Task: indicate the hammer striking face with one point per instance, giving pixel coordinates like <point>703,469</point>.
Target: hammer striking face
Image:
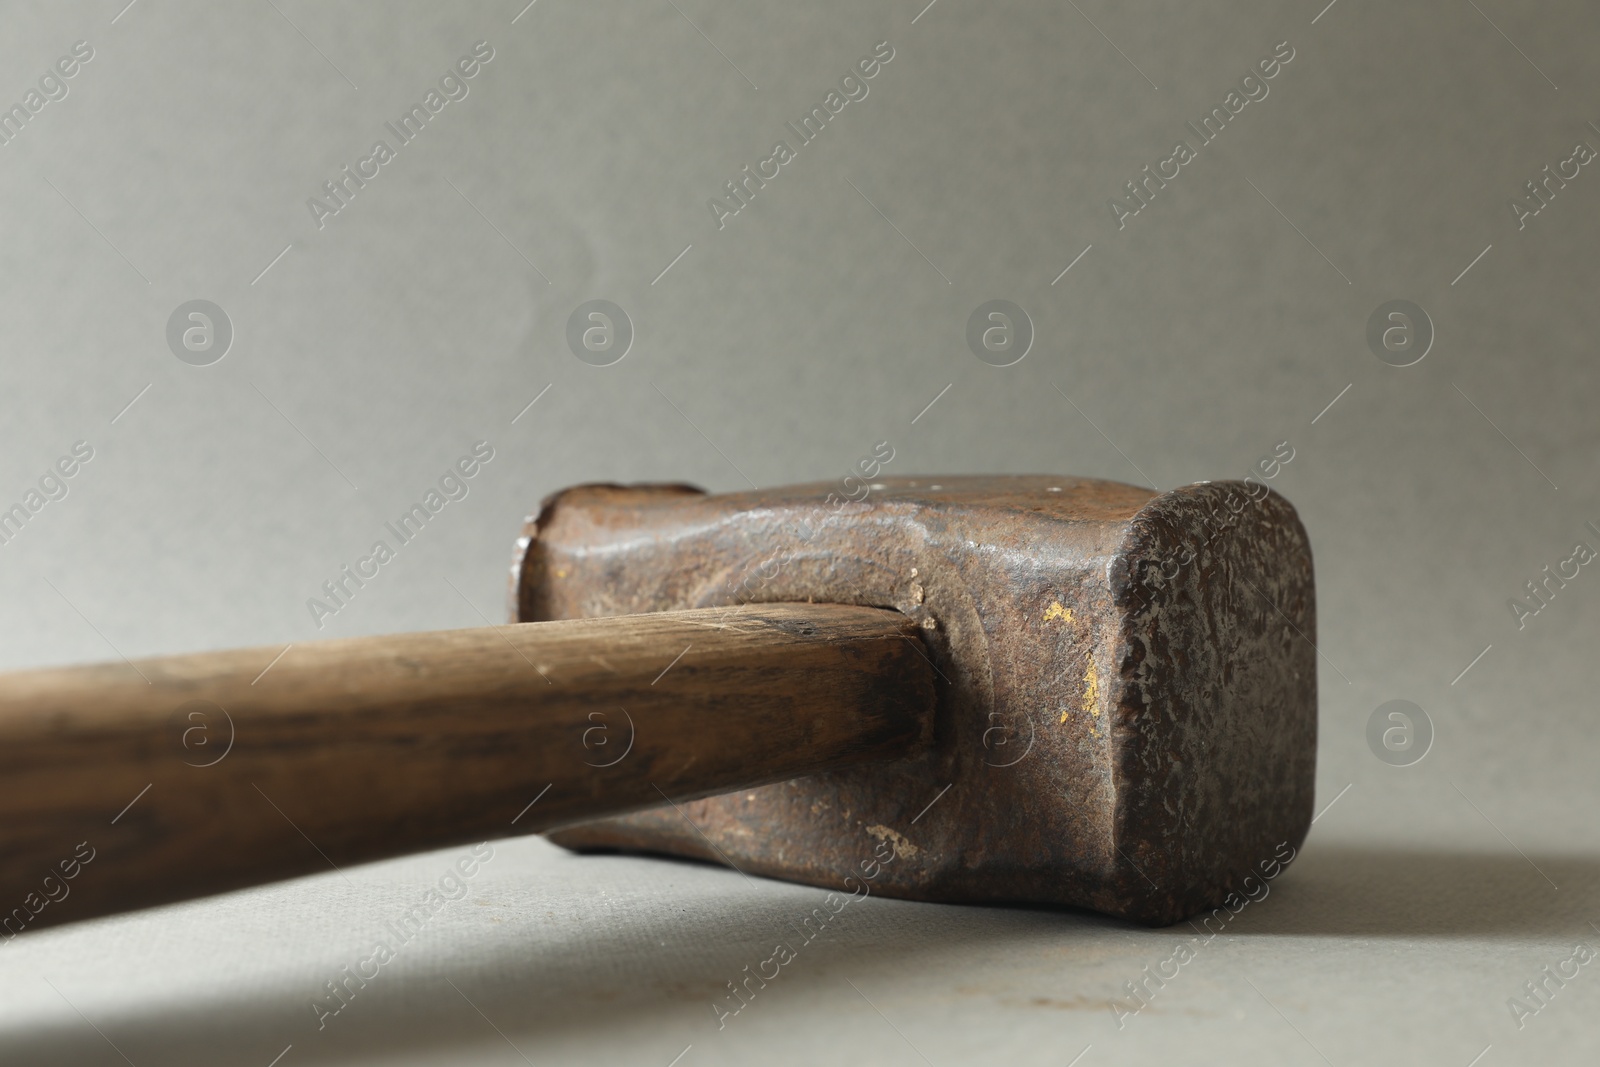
<point>1126,711</point>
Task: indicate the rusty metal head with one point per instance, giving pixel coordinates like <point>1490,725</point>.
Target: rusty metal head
<point>1127,718</point>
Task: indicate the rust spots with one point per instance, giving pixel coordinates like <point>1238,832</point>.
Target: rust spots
<point>1091,697</point>
<point>902,847</point>
<point>1091,691</point>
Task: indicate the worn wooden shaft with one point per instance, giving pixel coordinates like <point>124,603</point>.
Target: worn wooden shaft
<point>128,785</point>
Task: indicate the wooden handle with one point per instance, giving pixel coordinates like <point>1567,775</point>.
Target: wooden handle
<point>128,785</point>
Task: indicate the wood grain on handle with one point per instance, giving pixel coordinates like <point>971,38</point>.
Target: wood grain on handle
<point>186,775</point>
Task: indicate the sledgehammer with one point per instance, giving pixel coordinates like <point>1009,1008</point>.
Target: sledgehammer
<point>1040,690</point>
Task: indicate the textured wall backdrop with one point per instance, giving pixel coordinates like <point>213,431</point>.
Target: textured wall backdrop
<point>371,315</point>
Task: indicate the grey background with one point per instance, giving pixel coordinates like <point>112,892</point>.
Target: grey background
<point>1222,320</point>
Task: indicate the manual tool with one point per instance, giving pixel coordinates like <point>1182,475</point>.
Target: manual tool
<point>1035,690</point>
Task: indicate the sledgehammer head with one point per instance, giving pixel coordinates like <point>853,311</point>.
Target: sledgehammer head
<point>1127,711</point>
